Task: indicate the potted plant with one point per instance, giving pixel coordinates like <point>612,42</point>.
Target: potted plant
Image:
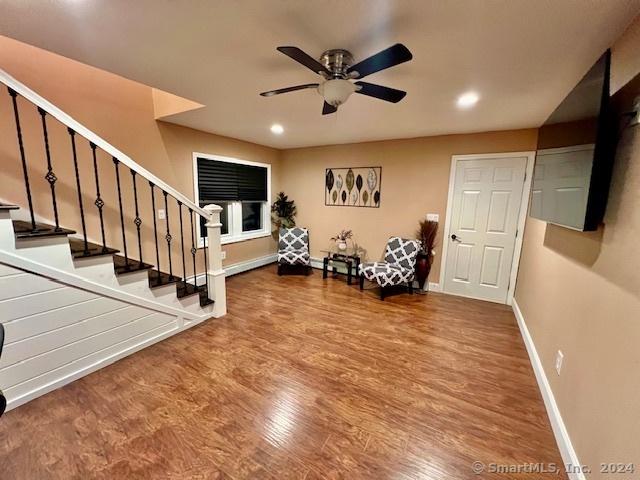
<point>341,239</point>
<point>283,212</point>
<point>427,231</point>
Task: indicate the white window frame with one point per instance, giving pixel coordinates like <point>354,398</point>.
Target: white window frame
<point>234,212</point>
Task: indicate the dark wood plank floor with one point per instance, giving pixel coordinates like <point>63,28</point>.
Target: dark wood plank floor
<point>304,379</point>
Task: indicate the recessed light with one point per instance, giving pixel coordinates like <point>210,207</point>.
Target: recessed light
<point>467,100</point>
<point>277,129</point>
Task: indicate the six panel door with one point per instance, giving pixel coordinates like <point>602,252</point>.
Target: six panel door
<point>484,220</point>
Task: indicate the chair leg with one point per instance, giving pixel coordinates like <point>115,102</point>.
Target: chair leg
<point>411,288</point>
<point>361,282</point>
<point>279,269</point>
<point>382,293</point>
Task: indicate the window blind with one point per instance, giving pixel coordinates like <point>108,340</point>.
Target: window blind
<point>232,182</point>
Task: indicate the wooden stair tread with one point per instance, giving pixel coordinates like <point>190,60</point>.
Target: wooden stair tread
<point>7,206</point>
<point>23,229</point>
<point>185,289</point>
<point>93,249</point>
<point>122,266</point>
<point>159,279</point>
<point>204,300</point>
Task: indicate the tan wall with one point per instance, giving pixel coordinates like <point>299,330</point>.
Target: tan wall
<point>122,112</point>
<point>415,181</point>
<point>580,293</point>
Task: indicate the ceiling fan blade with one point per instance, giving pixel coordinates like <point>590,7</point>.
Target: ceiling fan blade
<point>378,91</point>
<point>271,93</point>
<point>306,60</point>
<point>390,57</point>
<point>327,109</point>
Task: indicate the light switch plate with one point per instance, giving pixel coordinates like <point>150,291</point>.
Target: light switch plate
<point>161,214</point>
<point>559,360</point>
<point>434,217</point>
<point>223,254</point>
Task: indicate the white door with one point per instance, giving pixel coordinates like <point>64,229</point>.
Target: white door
<point>487,194</point>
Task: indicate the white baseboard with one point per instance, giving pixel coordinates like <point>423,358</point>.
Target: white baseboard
<point>434,287</point>
<point>242,267</point>
<point>569,456</point>
<point>101,363</point>
<point>250,264</point>
<point>318,263</point>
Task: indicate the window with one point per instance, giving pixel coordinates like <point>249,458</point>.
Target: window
<point>241,188</point>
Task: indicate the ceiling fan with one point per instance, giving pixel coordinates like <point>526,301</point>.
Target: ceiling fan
<point>336,67</point>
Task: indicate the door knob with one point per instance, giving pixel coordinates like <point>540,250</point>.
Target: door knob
<point>455,238</point>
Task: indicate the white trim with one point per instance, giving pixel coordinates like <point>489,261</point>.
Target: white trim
<point>250,264</point>
<point>434,287</point>
<point>569,456</point>
<point>233,214</point>
<point>241,267</point>
<point>319,264</point>
<point>268,259</point>
<point>81,372</point>
<point>70,122</point>
<point>522,216</point>
<point>71,279</point>
<point>226,239</point>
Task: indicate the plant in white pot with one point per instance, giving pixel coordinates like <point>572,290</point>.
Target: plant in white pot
<point>341,239</point>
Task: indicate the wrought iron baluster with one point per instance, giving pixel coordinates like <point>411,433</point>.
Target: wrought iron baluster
<point>116,163</point>
<point>184,265</point>
<point>193,250</point>
<point>168,237</point>
<point>25,172</point>
<point>72,135</point>
<point>50,176</point>
<point>99,203</point>
<point>155,226</point>
<point>137,221</point>
<point>206,266</point>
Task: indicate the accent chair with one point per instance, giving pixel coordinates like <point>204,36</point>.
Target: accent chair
<point>398,267</point>
<point>293,250</point>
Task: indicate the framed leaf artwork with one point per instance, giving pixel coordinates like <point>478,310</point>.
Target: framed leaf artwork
<point>353,187</point>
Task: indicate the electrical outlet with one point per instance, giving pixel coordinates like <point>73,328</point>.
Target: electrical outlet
<point>223,255</point>
<point>161,214</point>
<point>559,359</point>
<point>434,217</point>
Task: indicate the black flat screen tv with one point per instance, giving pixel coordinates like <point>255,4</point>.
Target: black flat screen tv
<point>574,156</point>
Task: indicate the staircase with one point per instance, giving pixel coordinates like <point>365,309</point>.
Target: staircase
<point>98,247</point>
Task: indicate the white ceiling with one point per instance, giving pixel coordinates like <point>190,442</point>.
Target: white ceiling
<point>521,56</point>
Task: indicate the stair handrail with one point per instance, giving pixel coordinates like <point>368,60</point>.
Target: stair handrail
<point>76,126</point>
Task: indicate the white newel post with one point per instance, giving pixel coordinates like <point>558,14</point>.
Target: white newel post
<point>215,273</point>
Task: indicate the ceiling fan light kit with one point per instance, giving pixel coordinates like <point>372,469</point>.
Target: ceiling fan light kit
<point>336,92</point>
<point>337,69</point>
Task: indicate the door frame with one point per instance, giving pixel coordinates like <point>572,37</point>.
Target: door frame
<point>522,216</point>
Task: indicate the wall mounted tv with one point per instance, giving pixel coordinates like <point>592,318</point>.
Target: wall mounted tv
<point>574,156</point>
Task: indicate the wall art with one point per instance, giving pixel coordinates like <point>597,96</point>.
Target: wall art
<point>353,187</point>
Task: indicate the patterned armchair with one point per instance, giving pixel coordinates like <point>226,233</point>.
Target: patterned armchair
<point>293,249</point>
<point>398,267</point>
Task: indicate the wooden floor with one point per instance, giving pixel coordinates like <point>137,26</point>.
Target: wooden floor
<point>304,379</point>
